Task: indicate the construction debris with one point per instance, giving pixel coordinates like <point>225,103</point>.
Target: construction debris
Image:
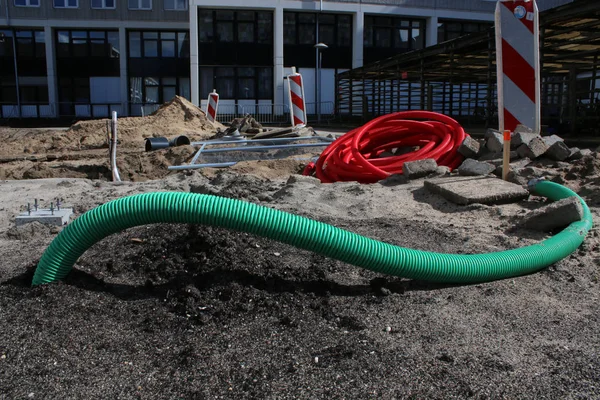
<point>465,190</point>
<point>472,167</point>
<point>420,168</point>
<point>556,215</point>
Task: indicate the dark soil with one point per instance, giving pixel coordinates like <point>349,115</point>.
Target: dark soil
<point>176,311</point>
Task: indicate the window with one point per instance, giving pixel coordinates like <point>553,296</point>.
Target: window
<point>403,34</point>
<point>104,4</point>
<point>135,44</point>
<point>167,44</point>
<point>176,5</point>
<point>66,3</point>
<point>154,44</point>
<point>83,44</point>
<point>25,46</point>
<point>27,3</point>
<point>154,90</point>
<point>225,26</point>
<point>241,83</point>
<point>183,44</point>
<point>335,30</point>
<point>235,27</point>
<point>289,28</point>
<point>6,43</point>
<point>205,22</point>
<point>140,4</point>
<point>452,29</point>
<point>306,29</point>
<point>150,44</point>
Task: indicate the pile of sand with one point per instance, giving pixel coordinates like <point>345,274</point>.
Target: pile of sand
<point>177,117</point>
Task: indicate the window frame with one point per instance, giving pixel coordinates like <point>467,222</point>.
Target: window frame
<point>27,3</point>
<point>139,8</point>
<point>175,6</point>
<point>104,7</point>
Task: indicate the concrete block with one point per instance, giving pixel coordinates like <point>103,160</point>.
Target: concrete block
<point>494,141</point>
<point>554,216</point>
<point>420,168</point>
<point>45,216</point>
<point>469,148</point>
<point>465,190</point>
<point>520,138</point>
<point>558,151</point>
<point>472,167</point>
<point>550,140</point>
<point>535,148</point>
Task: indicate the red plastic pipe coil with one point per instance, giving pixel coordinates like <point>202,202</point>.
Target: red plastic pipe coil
<point>365,154</point>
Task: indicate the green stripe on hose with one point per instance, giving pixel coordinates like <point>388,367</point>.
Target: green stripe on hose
<point>324,239</point>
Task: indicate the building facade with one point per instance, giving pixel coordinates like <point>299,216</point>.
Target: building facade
<point>86,58</point>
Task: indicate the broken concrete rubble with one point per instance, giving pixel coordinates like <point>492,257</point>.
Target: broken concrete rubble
<point>465,190</point>
<point>470,147</point>
<point>534,149</point>
<point>520,138</point>
<point>494,141</point>
<point>554,216</point>
<point>558,151</point>
<point>420,168</point>
<point>472,167</point>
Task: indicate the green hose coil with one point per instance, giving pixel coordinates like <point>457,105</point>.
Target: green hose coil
<point>324,239</point>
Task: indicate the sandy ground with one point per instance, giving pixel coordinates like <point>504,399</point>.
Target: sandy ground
<point>177,311</point>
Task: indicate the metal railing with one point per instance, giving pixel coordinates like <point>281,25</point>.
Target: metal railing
<point>327,111</point>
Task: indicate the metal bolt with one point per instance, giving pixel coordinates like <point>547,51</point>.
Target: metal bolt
<point>29,208</point>
<point>58,204</point>
<point>52,208</point>
<point>36,204</point>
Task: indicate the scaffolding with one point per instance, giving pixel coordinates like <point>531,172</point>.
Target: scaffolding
<point>458,77</point>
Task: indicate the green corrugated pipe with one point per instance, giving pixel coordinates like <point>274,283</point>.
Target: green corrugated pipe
<point>308,234</point>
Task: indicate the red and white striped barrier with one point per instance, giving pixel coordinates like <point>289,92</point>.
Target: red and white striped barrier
<point>212,106</point>
<point>297,103</point>
<point>518,64</point>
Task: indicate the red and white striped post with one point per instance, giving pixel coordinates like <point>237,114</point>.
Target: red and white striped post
<point>297,103</point>
<point>212,106</point>
<point>518,64</point>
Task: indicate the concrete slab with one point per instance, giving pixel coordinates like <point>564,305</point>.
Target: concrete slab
<point>465,190</point>
<point>45,216</point>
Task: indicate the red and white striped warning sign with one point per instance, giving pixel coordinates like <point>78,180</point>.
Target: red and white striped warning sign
<point>297,103</point>
<point>212,106</point>
<point>518,64</point>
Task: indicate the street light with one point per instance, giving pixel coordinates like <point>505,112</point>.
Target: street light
<point>319,46</point>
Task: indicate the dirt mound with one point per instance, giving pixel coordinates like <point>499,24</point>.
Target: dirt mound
<point>177,117</point>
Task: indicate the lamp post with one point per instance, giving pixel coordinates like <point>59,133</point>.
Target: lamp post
<point>319,46</point>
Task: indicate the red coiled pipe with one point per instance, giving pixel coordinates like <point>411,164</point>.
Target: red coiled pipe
<point>356,156</point>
